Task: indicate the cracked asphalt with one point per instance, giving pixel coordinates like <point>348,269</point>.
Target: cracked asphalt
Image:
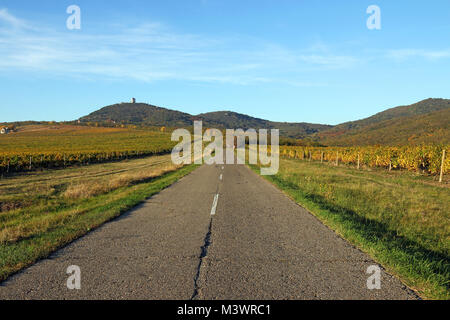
<point>256,244</point>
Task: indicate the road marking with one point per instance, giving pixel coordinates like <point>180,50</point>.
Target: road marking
<point>221,176</point>
<point>214,205</point>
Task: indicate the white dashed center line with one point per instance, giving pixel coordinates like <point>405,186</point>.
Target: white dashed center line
<point>214,205</point>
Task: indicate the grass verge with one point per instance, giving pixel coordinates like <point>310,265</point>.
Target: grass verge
<point>75,219</point>
<point>401,222</point>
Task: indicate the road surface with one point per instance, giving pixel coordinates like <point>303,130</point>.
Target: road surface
<point>221,232</point>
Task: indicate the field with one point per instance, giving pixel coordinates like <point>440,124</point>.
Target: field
<point>55,146</point>
<point>42,211</point>
<point>402,219</point>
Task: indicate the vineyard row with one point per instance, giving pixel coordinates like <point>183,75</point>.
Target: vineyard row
<point>426,158</point>
<point>29,162</point>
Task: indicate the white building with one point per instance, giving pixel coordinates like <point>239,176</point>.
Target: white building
<point>133,100</point>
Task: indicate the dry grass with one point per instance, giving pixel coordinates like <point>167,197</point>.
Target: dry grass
<point>35,203</point>
<point>85,190</point>
<point>51,219</point>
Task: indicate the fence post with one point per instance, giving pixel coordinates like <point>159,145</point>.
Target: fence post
<point>7,170</point>
<point>310,156</point>
<point>321,157</point>
<point>30,164</point>
<point>442,166</point>
<point>64,160</point>
<point>358,162</point>
<point>337,158</point>
<point>390,165</point>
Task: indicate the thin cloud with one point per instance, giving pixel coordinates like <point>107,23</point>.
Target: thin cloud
<point>404,54</point>
<point>332,61</point>
<point>8,18</point>
<point>154,52</point>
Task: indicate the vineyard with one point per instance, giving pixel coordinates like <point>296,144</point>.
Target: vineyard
<point>425,158</point>
<point>41,147</point>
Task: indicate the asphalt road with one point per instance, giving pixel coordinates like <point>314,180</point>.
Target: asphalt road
<point>221,232</point>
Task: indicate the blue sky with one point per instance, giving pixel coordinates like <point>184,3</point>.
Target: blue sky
<point>302,60</point>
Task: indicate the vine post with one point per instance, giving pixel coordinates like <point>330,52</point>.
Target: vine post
<point>442,166</point>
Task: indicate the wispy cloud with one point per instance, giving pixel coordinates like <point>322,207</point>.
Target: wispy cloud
<point>8,18</point>
<point>404,54</point>
<point>332,61</point>
<point>153,51</point>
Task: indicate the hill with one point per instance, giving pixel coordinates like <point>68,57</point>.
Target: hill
<point>140,114</point>
<point>229,119</point>
<point>424,122</point>
<point>148,115</point>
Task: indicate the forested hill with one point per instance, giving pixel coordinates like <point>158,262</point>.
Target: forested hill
<point>427,121</point>
<point>150,115</point>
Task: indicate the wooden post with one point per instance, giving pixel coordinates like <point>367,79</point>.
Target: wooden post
<point>321,157</point>
<point>442,166</point>
<point>358,162</point>
<point>7,169</point>
<point>390,165</point>
<point>64,160</point>
<point>310,156</point>
<point>337,158</point>
<point>30,163</point>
